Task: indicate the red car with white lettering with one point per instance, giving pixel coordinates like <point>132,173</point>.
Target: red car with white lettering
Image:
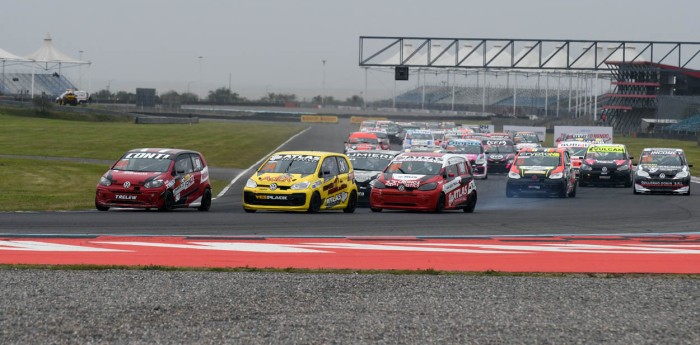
<point>157,178</point>
<point>425,182</point>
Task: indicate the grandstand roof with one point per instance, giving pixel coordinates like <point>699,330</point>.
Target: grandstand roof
<point>48,53</point>
<point>4,55</point>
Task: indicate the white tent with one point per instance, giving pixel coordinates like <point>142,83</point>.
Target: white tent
<point>48,57</point>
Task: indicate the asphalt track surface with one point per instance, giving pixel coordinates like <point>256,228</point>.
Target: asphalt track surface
<point>118,306</point>
<point>595,210</point>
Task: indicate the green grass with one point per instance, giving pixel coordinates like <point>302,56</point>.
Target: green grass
<point>36,184</point>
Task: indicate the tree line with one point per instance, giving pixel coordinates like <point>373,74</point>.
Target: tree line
<point>224,95</point>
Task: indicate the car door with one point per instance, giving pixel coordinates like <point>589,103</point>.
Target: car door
<point>186,183</point>
<point>330,186</point>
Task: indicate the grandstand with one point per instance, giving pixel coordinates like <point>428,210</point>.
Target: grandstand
<point>50,85</point>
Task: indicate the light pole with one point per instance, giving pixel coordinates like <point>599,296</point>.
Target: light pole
<point>80,70</point>
<point>323,92</point>
<point>188,85</point>
<point>199,92</point>
<point>109,84</point>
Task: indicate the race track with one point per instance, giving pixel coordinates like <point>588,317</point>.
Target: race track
<point>595,210</point>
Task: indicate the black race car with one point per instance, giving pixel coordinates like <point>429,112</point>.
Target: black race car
<point>662,170</point>
<point>368,165</point>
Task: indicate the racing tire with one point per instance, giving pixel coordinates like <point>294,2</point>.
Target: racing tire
<point>375,209</point>
<point>471,203</point>
<point>440,204</point>
<point>206,201</point>
<point>101,208</point>
<point>315,203</point>
<point>688,194</point>
<point>247,210</point>
<point>509,192</point>
<point>352,203</point>
<point>573,191</point>
<point>628,183</point>
<point>168,202</point>
<point>564,192</point>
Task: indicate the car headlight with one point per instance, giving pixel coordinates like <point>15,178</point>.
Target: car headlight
<point>682,174</point>
<point>105,181</point>
<point>623,167</point>
<point>153,184</point>
<point>513,175</point>
<point>428,186</point>
<point>642,173</point>
<point>586,167</point>
<point>557,175</point>
<point>301,185</point>
<point>251,183</point>
<point>377,184</point>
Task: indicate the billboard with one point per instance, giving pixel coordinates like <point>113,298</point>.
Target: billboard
<point>583,133</point>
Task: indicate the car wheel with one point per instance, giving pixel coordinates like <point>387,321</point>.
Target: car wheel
<point>168,202</point>
<point>352,203</point>
<point>206,201</point>
<point>509,192</point>
<point>315,203</point>
<point>247,210</point>
<point>688,194</point>
<point>101,208</point>
<point>440,205</point>
<point>573,191</point>
<point>471,203</point>
<point>375,209</point>
<point>628,183</point>
<point>564,192</point>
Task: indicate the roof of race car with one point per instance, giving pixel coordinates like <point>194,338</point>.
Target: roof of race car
<point>571,143</point>
<point>363,135</point>
<point>662,149</point>
<point>307,153</point>
<point>543,149</point>
<point>432,156</point>
<point>161,150</point>
<point>365,153</point>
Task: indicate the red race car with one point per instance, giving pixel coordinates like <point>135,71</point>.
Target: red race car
<point>163,179</point>
<point>425,182</point>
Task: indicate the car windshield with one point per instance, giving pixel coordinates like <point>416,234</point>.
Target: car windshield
<point>143,164</point>
<point>550,159</point>
<point>577,151</point>
<point>419,136</point>
<point>528,138</point>
<point>660,158</point>
<point>414,167</point>
<point>291,164</point>
<point>606,156</point>
<point>502,149</point>
<point>369,163</point>
<point>468,149</point>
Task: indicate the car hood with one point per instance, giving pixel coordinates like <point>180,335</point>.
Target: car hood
<point>281,179</point>
<point>135,177</point>
<point>365,175</point>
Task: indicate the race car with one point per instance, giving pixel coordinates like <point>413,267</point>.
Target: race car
<point>157,178</point>
<point>499,154</point>
<point>382,137</point>
<point>577,149</point>
<point>362,141</point>
<point>367,166</point>
<point>473,151</point>
<point>542,171</point>
<point>425,182</point>
<point>606,164</point>
<point>418,138</point>
<point>662,170</point>
<point>526,139</point>
<point>307,181</point>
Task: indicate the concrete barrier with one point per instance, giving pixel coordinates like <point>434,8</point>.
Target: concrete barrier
<point>165,120</point>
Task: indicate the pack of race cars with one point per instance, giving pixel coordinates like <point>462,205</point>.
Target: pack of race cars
<point>435,170</point>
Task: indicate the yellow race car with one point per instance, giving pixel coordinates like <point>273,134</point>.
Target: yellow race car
<point>302,181</point>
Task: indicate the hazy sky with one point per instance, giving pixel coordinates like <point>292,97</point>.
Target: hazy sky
<point>278,46</point>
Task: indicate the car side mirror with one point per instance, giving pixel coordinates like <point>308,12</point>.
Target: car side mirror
<point>690,165</point>
<point>631,157</point>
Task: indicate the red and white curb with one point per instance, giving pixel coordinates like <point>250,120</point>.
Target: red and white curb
<point>679,254</point>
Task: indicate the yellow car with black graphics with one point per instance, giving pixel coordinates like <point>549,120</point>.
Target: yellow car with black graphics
<point>307,181</point>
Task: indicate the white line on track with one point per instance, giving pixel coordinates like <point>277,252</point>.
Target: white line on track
<point>694,179</point>
<point>256,164</point>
